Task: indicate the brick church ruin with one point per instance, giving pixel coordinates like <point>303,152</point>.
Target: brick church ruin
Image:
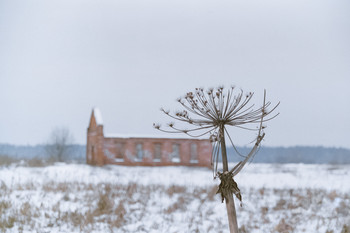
<point>143,151</point>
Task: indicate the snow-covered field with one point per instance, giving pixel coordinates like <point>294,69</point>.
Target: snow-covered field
<point>82,198</point>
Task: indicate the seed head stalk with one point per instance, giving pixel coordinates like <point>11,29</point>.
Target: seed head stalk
<point>230,204</point>
<point>213,110</point>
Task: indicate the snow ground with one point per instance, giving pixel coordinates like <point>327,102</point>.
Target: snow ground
<point>83,198</point>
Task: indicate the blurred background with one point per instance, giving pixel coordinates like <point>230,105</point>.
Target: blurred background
<point>59,59</point>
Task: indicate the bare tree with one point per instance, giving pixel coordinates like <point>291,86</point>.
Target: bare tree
<point>59,145</point>
<point>214,110</point>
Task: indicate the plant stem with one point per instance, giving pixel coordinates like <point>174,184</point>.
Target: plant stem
<point>230,204</point>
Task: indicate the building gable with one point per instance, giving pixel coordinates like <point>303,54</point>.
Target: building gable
<point>143,151</point>
<point>95,119</point>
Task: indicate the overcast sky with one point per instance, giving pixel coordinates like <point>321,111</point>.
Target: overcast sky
<point>60,58</point>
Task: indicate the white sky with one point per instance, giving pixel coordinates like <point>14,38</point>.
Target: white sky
<point>60,58</point>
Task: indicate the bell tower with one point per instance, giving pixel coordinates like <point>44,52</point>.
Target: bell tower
<point>95,138</point>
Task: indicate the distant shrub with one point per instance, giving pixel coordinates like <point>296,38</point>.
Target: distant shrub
<point>7,222</point>
<point>36,162</point>
<point>346,229</point>
<point>7,160</point>
<point>105,203</point>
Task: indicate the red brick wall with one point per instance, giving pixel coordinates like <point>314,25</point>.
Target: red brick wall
<point>95,141</point>
<point>101,150</point>
<point>148,144</point>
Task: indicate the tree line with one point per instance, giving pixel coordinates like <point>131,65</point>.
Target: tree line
<point>297,154</point>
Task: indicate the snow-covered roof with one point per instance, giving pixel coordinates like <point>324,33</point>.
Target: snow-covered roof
<point>168,136</point>
<point>98,116</point>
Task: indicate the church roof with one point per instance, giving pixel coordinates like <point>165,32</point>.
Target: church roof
<point>98,116</point>
<point>165,136</point>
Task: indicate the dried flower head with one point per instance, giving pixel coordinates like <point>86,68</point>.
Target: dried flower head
<point>211,111</point>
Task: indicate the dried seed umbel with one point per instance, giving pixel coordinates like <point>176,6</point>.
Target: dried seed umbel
<point>210,113</point>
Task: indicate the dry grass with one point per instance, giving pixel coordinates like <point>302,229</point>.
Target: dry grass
<point>30,162</point>
<point>7,160</point>
<point>80,207</point>
<point>7,222</point>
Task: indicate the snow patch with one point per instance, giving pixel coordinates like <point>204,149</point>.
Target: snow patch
<point>98,116</point>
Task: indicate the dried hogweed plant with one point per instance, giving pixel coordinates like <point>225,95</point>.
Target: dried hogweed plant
<point>211,112</point>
